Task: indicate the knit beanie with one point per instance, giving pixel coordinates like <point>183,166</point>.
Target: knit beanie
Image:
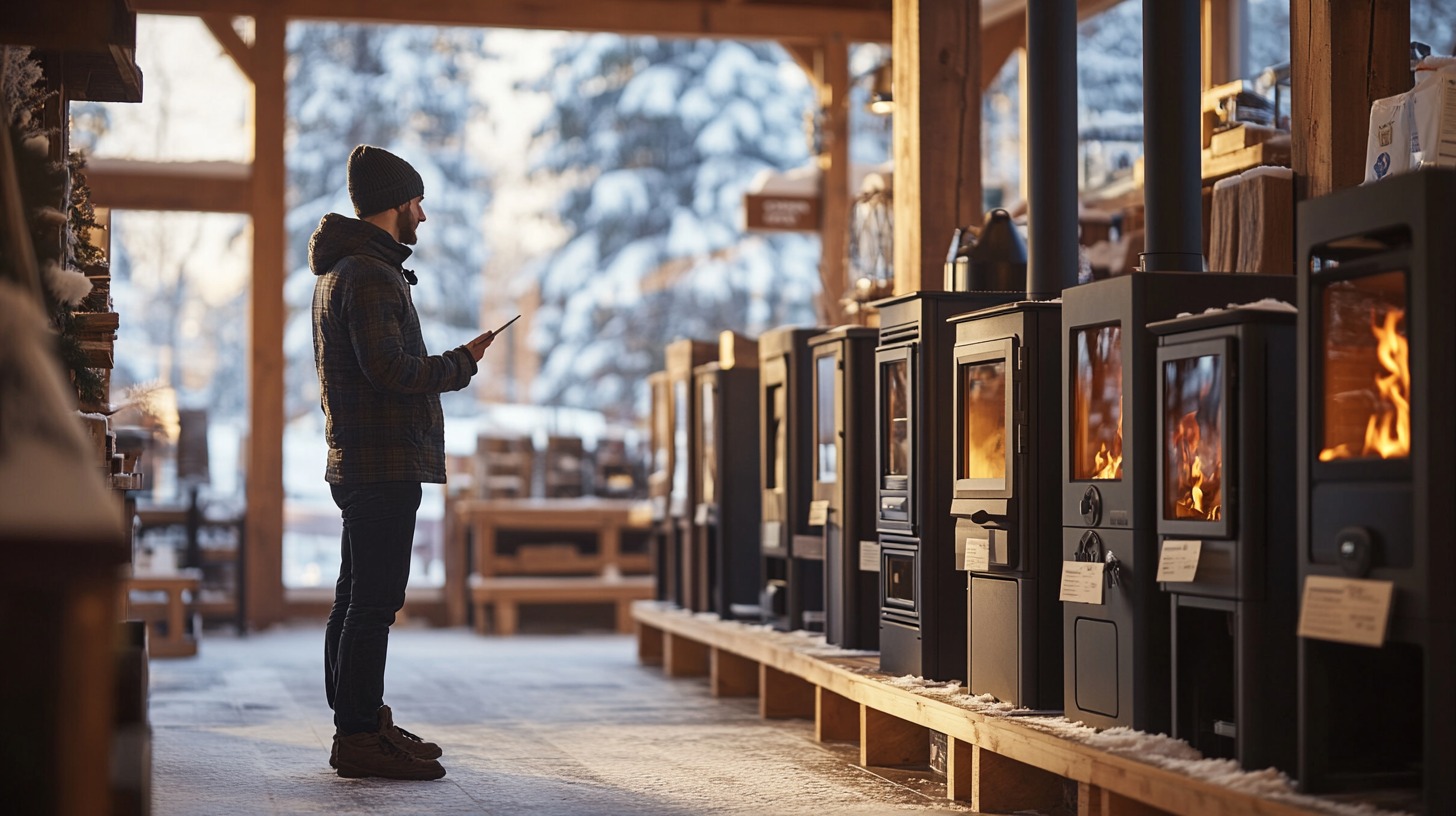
<point>380,180</point>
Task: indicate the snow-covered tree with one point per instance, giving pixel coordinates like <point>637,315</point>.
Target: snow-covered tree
<point>410,90</point>
<point>659,139</point>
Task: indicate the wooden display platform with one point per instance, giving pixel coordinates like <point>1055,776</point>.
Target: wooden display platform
<point>995,761</point>
<point>505,595</point>
<point>168,621</point>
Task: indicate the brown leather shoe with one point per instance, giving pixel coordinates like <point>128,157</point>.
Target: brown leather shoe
<point>373,753</point>
<point>404,739</point>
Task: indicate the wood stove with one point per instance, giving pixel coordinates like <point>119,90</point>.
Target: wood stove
<point>1225,490</point>
<point>1377,484</point>
<point>1007,498</point>
<point>792,594</point>
<point>844,483</point>
<point>922,595</point>
<point>1115,641</point>
<point>682,357</point>
<point>726,519</point>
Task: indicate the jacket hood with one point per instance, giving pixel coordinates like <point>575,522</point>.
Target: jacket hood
<point>339,237</point>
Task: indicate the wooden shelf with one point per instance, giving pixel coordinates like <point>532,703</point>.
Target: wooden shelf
<point>1275,152</point>
<point>997,762</point>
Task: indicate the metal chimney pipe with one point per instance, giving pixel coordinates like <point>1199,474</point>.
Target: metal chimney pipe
<point>1051,117</point>
<point>1172,139</point>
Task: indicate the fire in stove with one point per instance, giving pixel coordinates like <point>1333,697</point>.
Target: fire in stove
<point>1193,470</point>
<point>1367,388</point>
<point>1098,418</point>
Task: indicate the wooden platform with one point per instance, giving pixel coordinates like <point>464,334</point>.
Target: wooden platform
<point>995,761</point>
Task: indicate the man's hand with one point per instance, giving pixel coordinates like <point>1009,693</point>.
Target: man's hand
<point>478,346</point>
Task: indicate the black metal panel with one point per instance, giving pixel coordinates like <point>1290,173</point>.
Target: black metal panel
<point>727,529</point>
<point>1394,515</point>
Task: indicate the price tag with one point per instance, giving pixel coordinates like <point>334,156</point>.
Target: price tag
<point>869,556</point>
<point>1082,582</point>
<point>978,554</point>
<point>1178,562</point>
<point>818,513</point>
<point>1346,610</point>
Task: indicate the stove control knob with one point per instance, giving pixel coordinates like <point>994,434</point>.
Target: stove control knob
<point>1356,548</point>
<point>1092,506</point>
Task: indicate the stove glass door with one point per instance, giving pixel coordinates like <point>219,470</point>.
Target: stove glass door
<point>1197,446</point>
<point>1097,403</point>
<point>1366,388</point>
<point>826,437</point>
<point>985,419</point>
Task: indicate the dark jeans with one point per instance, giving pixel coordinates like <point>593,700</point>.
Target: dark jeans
<point>379,531</point>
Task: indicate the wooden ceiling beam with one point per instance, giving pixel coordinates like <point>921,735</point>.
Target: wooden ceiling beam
<point>123,184</point>
<point>221,26</point>
<point>693,18</point>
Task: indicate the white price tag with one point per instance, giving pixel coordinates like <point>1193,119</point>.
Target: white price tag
<point>1346,610</point>
<point>818,513</point>
<point>1082,582</point>
<point>869,556</point>
<point>978,554</point>
<point>1178,561</point>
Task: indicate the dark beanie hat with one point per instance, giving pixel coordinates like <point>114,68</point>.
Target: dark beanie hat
<point>380,180</point>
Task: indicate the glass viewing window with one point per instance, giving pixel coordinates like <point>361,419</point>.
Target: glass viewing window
<point>983,426</point>
<point>1097,403</point>
<point>776,444</point>
<point>900,580</point>
<point>1366,373</point>
<point>826,445</point>
<point>680,433</point>
<point>710,447</point>
<point>1193,438</point>
<point>896,433</point>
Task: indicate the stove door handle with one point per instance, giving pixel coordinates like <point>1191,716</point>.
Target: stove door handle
<point>981,517</point>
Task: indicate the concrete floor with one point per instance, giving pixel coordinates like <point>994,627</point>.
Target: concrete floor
<point>536,724</point>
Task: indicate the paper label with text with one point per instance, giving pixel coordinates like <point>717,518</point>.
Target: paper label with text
<point>978,554</point>
<point>818,513</point>
<point>869,556</point>
<point>1082,582</point>
<point>1178,562</point>
<point>1345,610</point>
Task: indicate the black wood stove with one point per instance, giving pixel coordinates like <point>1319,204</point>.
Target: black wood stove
<point>726,519</point>
<point>680,561</point>
<point>1225,495</point>
<point>1377,488</point>
<point>1115,649</point>
<point>844,483</point>
<point>792,595</point>
<point>922,595</point>
<point>1007,498</point>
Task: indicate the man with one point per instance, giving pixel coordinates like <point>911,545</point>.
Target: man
<point>380,393</point>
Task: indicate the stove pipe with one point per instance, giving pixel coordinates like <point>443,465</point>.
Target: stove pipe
<point>1171,137</point>
<point>1051,118</point>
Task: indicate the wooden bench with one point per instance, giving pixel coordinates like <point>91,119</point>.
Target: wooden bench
<point>505,594</point>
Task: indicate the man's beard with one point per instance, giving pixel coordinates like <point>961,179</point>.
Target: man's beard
<point>406,226</point>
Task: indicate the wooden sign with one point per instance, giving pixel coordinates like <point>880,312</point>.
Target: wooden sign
<point>1345,610</point>
<point>1178,561</point>
<point>1082,582</point>
<point>781,212</point>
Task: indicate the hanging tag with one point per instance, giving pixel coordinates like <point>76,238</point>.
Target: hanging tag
<point>1082,582</point>
<point>1345,610</point>
<point>978,554</point>
<point>869,556</point>
<point>818,513</point>
<point>1178,561</point>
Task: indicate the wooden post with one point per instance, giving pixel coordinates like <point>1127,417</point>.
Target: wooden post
<point>649,645</point>
<point>1000,784</point>
<point>887,740</point>
<point>836,717</point>
<point>1344,54</point>
<point>264,529</point>
<point>834,179</point>
<point>683,657</point>
<point>1222,42</point>
<point>732,675</point>
<point>783,696</point>
<point>937,134</point>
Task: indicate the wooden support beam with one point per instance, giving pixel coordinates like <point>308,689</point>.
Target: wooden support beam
<point>888,741</point>
<point>683,657</point>
<point>221,26</point>
<point>1221,42</point>
<point>732,675</point>
<point>783,696</point>
<point>937,134</point>
<point>999,784</point>
<point>835,195</point>
<point>125,184</point>
<point>836,717</point>
<point>999,41</point>
<point>649,645</point>
<point>1344,54</point>
<point>264,490</point>
<point>680,18</point>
